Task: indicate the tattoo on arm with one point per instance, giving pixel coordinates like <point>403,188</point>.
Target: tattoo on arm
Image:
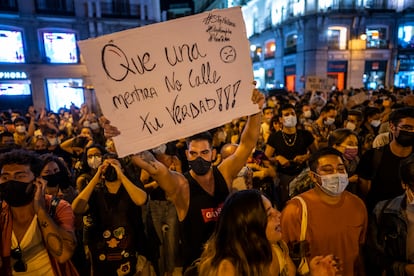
<point>56,240</point>
<point>44,224</point>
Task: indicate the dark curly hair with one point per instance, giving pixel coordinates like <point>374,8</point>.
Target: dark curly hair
<point>22,157</point>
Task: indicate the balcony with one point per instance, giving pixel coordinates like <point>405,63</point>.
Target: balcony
<point>120,9</point>
<point>55,7</point>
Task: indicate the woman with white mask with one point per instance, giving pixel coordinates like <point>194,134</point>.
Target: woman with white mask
<point>91,160</point>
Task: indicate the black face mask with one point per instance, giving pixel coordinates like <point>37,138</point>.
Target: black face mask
<point>200,166</point>
<point>60,178</point>
<point>405,138</point>
<point>17,193</point>
<point>110,174</point>
<point>42,151</point>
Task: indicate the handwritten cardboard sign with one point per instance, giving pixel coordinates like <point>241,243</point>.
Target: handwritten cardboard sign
<point>173,79</point>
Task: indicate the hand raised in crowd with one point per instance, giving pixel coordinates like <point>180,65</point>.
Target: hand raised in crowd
<point>39,197</point>
<point>325,266</point>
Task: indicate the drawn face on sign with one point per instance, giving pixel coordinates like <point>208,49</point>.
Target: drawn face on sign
<point>228,54</point>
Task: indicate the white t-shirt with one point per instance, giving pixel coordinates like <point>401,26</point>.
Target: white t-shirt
<point>34,253</point>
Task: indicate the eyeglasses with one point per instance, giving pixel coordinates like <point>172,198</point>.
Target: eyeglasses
<point>19,265</point>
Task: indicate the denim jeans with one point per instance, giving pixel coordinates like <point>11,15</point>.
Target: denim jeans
<point>164,218</point>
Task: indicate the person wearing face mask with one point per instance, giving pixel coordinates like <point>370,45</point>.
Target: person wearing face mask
<point>198,195</point>
<point>390,238</point>
<point>330,227</point>
<point>288,149</point>
<point>370,127</point>
<point>21,134</point>
<point>346,141</point>
<point>115,233</point>
<point>35,239</point>
<point>324,125</point>
<point>378,169</point>
<point>91,160</point>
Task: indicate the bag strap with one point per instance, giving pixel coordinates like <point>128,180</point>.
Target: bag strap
<point>304,222</point>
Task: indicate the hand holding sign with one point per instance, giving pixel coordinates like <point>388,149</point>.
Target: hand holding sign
<point>157,90</point>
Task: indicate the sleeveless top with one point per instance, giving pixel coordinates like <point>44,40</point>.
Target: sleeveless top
<point>202,215</point>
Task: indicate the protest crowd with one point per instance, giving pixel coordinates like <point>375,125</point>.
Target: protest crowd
<point>315,184</point>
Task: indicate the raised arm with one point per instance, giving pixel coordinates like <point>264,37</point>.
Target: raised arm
<point>231,166</point>
<point>168,180</point>
<point>59,240</point>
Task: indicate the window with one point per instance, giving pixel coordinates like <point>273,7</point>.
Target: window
<point>406,36</point>
<point>14,89</point>
<point>256,53</point>
<point>64,92</point>
<point>377,38</point>
<point>270,48</point>
<point>55,6</point>
<point>11,47</point>
<point>290,43</point>
<point>336,38</point>
<point>60,47</point>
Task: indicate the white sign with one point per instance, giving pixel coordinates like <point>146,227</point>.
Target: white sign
<point>314,83</point>
<point>173,79</point>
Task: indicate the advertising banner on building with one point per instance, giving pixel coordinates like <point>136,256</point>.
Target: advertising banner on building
<point>173,79</point>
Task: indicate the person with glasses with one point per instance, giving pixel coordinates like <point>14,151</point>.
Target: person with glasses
<point>378,169</point>
<point>34,239</point>
<point>390,236</point>
<point>336,219</point>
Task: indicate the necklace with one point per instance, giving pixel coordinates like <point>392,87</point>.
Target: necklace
<point>289,141</point>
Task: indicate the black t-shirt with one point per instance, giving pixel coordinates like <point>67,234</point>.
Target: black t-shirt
<point>385,178</point>
<point>303,141</point>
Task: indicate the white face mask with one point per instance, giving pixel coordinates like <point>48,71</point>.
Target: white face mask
<point>290,121</point>
<point>307,114</point>
<point>94,126</point>
<point>350,126</point>
<point>375,123</point>
<point>94,162</point>
<point>333,184</point>
<point>329,121</point>
<point>20,129</point>
<point>53,141</point>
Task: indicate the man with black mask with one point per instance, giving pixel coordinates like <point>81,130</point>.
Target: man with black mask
<point>199,194</point>
<point>378,169</point>
<point>33,240</point>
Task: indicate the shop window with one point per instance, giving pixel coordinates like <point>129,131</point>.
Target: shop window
<point>270,49</point>
<point>377,38</point>
<point>406,36</point>
<point>64,92</point>
<point>11,47</point>
<point>15,89</point>
<point>270,78</point>
<point>60,47</point>
<point>290,44</point>
<point>336,38</point>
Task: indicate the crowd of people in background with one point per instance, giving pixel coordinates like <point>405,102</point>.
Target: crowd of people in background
<point>329,179</point>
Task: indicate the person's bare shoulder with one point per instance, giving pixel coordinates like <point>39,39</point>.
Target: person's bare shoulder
<point>226,268</point>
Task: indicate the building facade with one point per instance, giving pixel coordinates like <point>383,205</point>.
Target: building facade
<point>40,63</point>
<point>307,44</point>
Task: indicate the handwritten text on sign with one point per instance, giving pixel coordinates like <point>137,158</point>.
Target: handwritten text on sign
<point>173,79</point>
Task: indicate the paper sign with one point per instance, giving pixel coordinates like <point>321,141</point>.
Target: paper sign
<point>173,79</point>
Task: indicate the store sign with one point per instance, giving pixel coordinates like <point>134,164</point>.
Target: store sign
<point>173,79</point>
<point>7,75</point>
